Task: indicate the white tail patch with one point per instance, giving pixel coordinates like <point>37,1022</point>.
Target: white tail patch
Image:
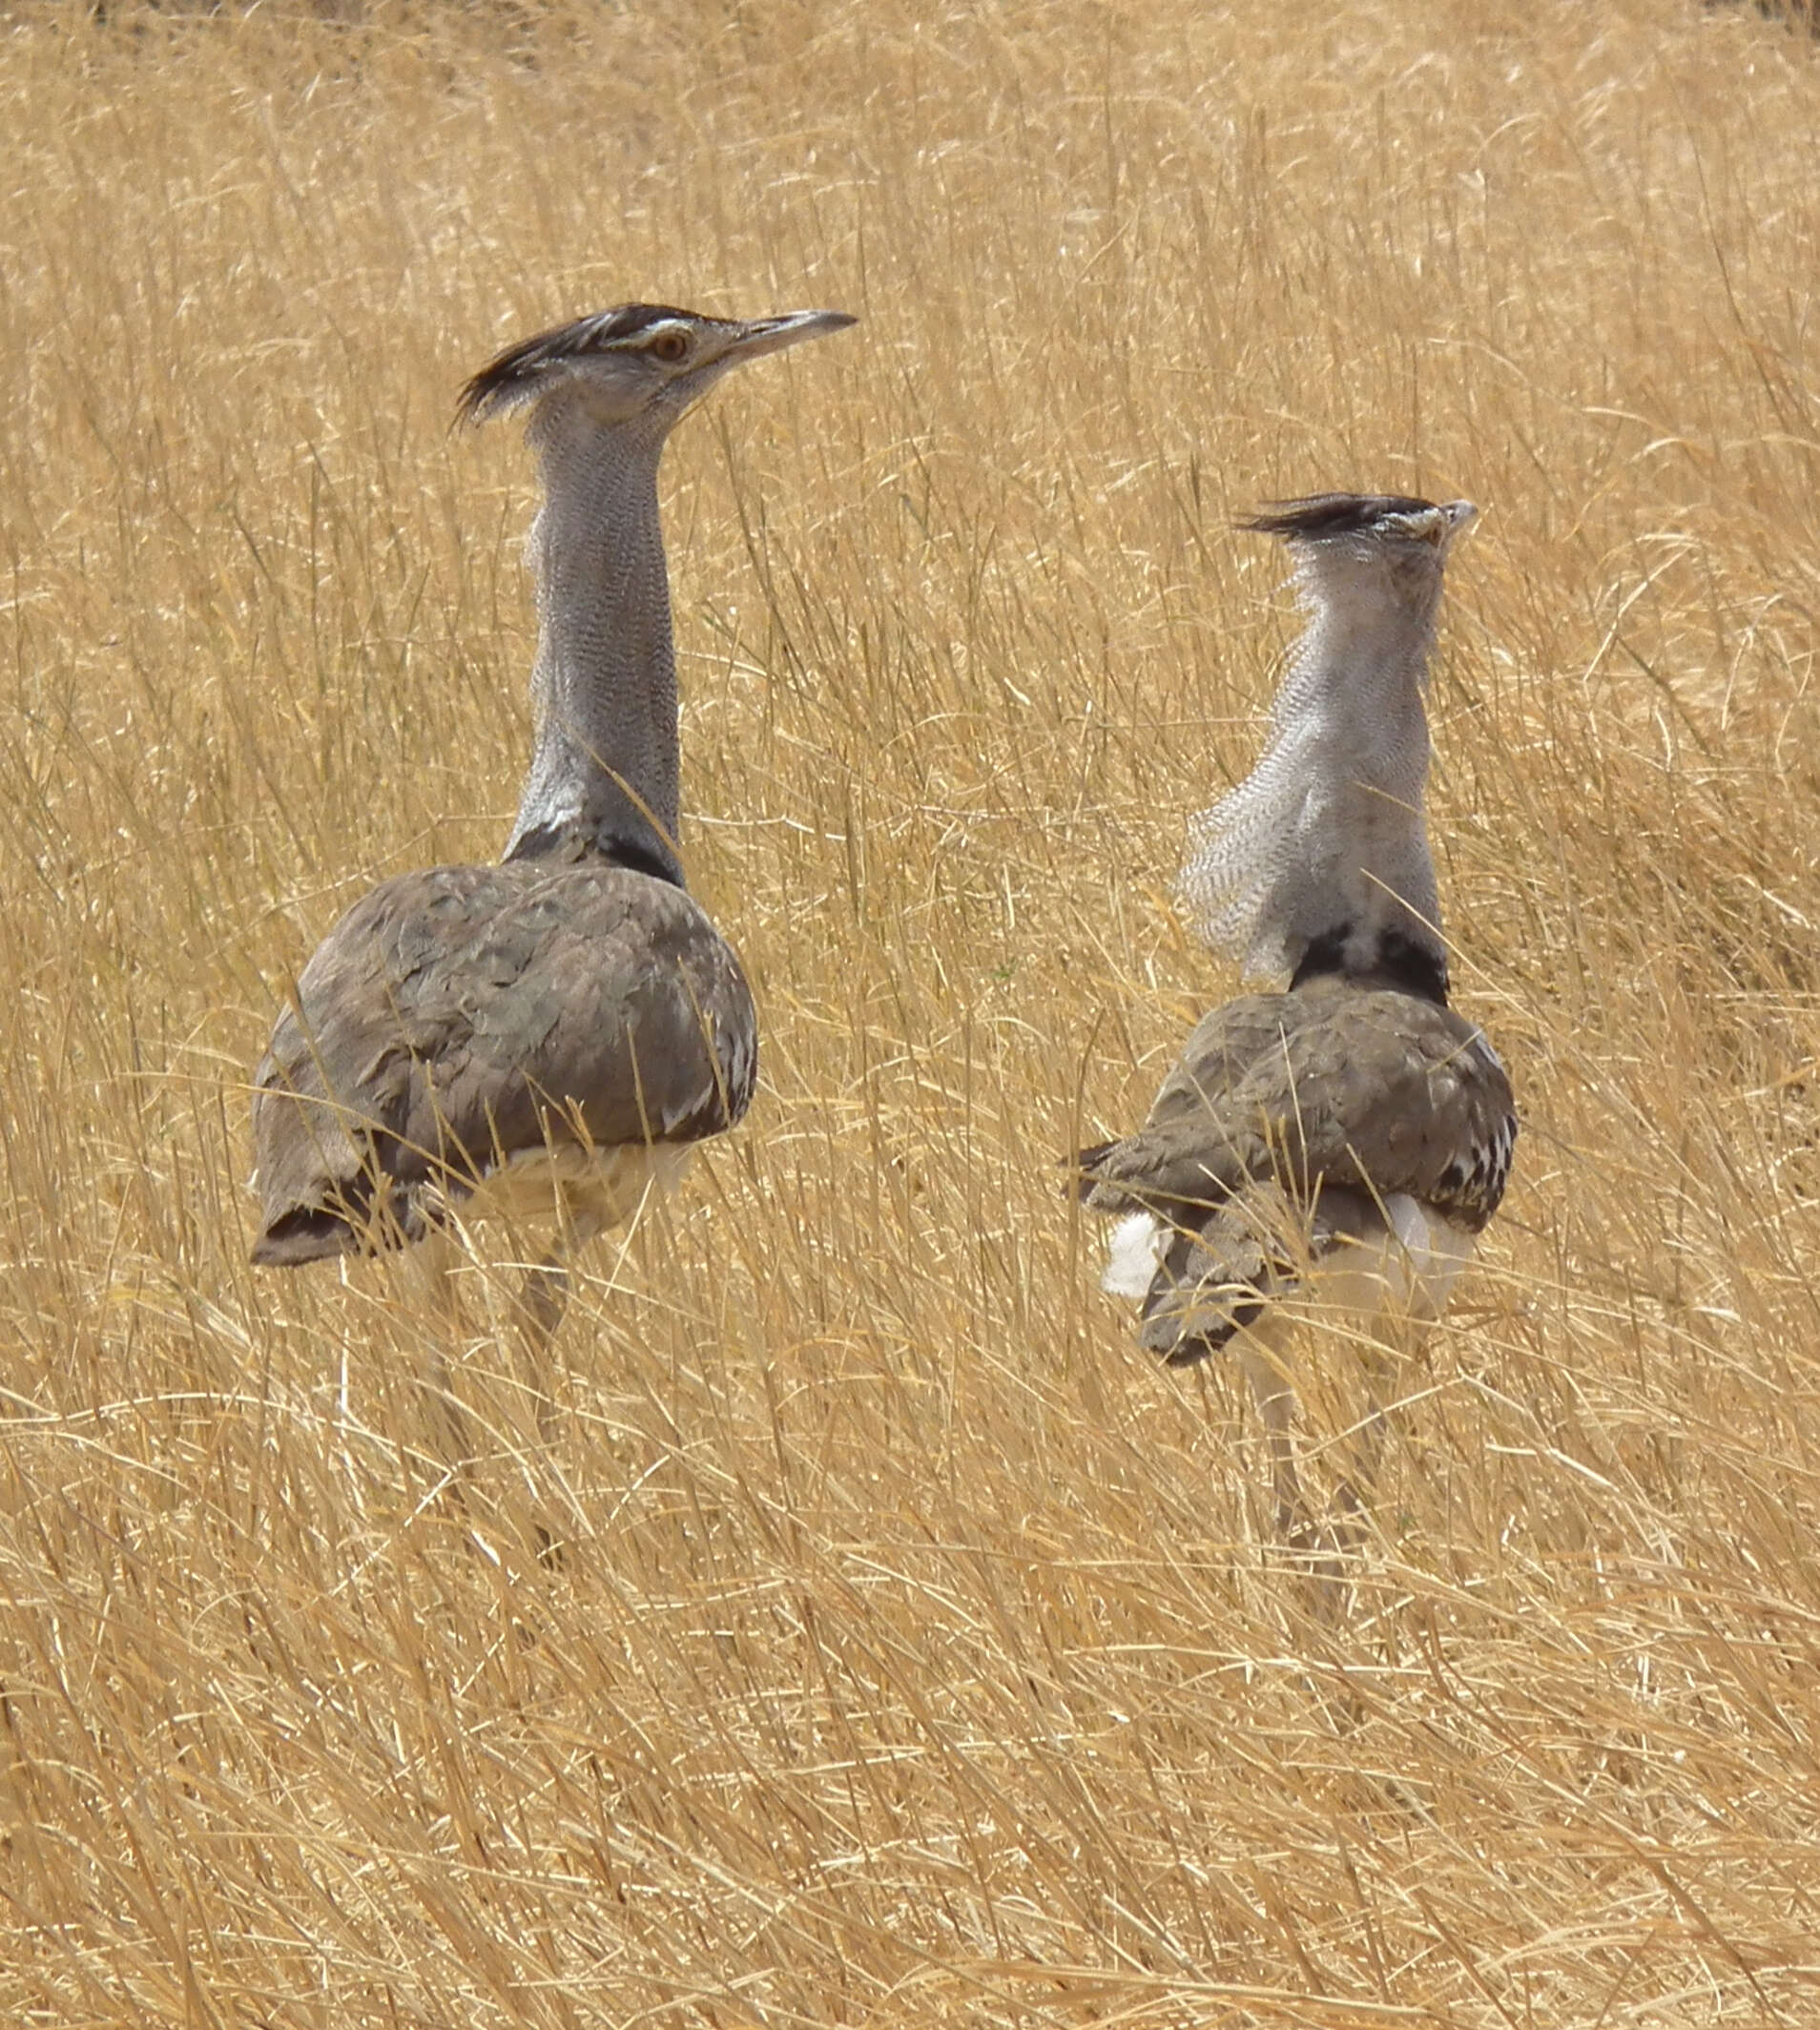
<point>1407,1273</point>
<point>1132,1253</point>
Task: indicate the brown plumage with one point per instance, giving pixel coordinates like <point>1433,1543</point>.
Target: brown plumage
<point>459,1018</point>
<point>1291,1126</point>
<point>1330,1152</point>
<point>555,1034</point>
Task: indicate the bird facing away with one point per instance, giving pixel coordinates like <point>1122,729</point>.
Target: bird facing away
<point>554,1033</point>
<point>1332,1149</point>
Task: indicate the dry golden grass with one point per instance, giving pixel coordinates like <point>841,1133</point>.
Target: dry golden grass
<point>920,1657</point>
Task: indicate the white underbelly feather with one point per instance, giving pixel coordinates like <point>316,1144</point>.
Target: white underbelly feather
<point>604,1187</point>
<point>1408,1270</point>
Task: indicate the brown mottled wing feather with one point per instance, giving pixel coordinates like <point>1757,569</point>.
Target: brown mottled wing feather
<point>1211,1281</point>
<point>1223,1052</point>
<point>1333,1083</point>
<point>1222,1273</point>
<point>458,1017</point>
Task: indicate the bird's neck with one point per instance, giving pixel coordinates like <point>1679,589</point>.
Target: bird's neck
<point>1318,861</point>
<point>605,765</point>
<point>1368,904</point>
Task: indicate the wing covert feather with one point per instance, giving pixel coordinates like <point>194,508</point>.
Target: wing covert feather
<point>457,1017</point>
<point>1355,1087</point>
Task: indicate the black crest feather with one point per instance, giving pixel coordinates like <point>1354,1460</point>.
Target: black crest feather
<point>1324,515</point>
<point>518,369</point>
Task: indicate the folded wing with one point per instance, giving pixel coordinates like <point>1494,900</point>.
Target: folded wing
<point>1294,1125</point>
<point>458,1018</point>
<point>1332,1084</point>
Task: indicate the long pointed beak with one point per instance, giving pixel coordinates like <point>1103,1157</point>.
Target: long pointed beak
<point>773,334</point>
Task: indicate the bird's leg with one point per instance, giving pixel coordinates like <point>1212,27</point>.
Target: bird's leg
<point>544,1296</point>
<point>424,1278</point>
<point>1313,1550</point>
<point>1380,1365</point>
<point>1345,1535</point>
<point>1275,1400</point>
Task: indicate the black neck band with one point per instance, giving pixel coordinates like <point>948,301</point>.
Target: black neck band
<point>1399,962</point>
<point>550,842</point>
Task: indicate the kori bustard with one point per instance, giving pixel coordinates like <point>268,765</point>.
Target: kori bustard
<point>1333,1150</point>
<point>552,1034</point>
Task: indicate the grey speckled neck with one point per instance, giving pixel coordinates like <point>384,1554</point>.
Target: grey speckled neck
<point>605,760</point>
<point>1325,838</point>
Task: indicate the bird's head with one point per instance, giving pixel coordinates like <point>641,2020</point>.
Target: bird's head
<point>1368,547</point>
<point>640,364</point>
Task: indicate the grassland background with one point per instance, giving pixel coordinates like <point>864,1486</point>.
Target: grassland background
<point>919,1657</point>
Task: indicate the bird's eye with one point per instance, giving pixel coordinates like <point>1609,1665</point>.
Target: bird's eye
<point>668,345</point>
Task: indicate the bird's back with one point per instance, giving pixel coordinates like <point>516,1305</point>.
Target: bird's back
<point>460,1018</point>
<point>1294,1124</point>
